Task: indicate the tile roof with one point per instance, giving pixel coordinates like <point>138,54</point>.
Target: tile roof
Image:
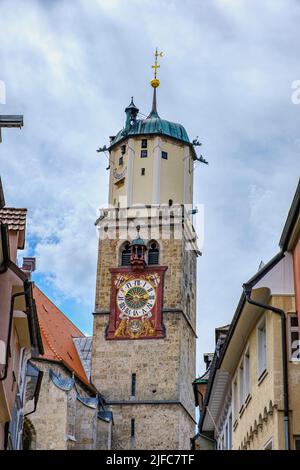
<point>84,349</point>
<point>58,333</point>
<point>15,219</point>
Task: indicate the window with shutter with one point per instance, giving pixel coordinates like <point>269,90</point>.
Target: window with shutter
<point>153,253</point>
<point>125,255</point>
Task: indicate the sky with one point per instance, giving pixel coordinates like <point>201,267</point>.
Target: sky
<point>71,67</point>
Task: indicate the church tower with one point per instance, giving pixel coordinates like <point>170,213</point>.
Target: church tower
<point>144,338</point>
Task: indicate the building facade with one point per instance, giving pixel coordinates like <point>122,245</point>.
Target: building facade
<point>71,414</point>
<point>253,394</point>
<point>144,336</point>
<point>19,331</point>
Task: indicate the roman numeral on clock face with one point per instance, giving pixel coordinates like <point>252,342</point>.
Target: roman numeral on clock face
<point>136,298</point>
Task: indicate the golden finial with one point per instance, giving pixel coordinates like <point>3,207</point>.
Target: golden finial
<point>155,82</point>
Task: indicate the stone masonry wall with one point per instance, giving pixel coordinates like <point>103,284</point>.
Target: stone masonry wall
<point>61,421</point>
<point>164,368</point>
<point>156,427</point>
<point>50,417</point>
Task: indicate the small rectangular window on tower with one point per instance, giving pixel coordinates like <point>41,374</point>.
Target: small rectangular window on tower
<point>121,161</point>
<point>123,149</point>
<point>144,154</point>
<point>143,171</point>
<point>132,433</point>
<point>164,155</point>
<point>144,143</point>
<point>133,385</point>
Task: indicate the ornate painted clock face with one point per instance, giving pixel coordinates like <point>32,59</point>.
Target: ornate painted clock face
<point>136,298</point>
<point>136,304</point>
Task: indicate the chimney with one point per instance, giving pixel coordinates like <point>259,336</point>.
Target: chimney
<point>28,266</point>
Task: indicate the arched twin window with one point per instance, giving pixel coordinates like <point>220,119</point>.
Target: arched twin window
<point>153,253</point>
<point>125,254</point>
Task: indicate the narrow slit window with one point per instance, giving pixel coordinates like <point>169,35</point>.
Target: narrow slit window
<point>144,143</point>
<point>143,171</point>
<point>247,375</point>
<point>133,385</point>
<point>132,427</point>
<point>262,348</point>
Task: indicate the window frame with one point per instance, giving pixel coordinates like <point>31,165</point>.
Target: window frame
<point>235,399</point>
<point>152,249</point>
<point>296,439</point>
<point>293,329</point>
<point>247,374</point>
<point>122,249</point>
<point>262,368</point>
<point>241,388</point>
<point>224,440</point>
<point>268,443</point>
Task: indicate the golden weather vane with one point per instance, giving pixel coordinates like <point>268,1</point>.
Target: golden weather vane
<point>155,81</point>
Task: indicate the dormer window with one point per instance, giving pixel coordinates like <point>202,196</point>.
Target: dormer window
<point>144,143</point>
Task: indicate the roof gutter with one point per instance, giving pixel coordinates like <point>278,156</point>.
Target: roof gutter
<point>5,248</point>
<point>247,290</point>
<point>37,392</point>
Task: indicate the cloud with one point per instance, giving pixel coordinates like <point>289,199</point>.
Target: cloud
<point>71,67</point>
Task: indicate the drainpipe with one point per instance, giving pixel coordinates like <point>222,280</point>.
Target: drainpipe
<point>11,314</point>
<point>37,393</point>
<point>247,290</point>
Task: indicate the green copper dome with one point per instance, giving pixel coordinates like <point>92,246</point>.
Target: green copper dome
<point>153,124</point>
<point>138,241</point>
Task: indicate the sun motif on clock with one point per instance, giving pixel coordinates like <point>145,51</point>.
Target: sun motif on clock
<point>136,298</point>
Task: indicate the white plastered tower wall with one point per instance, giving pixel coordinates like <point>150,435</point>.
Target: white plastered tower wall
<point>163,179</point>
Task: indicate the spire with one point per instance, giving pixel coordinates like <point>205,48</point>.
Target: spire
<point>138,248</point>
<point>155,84</point>
<point>131,114</point>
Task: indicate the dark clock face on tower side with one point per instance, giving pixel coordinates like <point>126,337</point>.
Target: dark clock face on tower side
<point>136,298</point>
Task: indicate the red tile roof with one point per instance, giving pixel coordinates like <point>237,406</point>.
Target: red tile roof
<point>57,335</point>
<point>16,220</point>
